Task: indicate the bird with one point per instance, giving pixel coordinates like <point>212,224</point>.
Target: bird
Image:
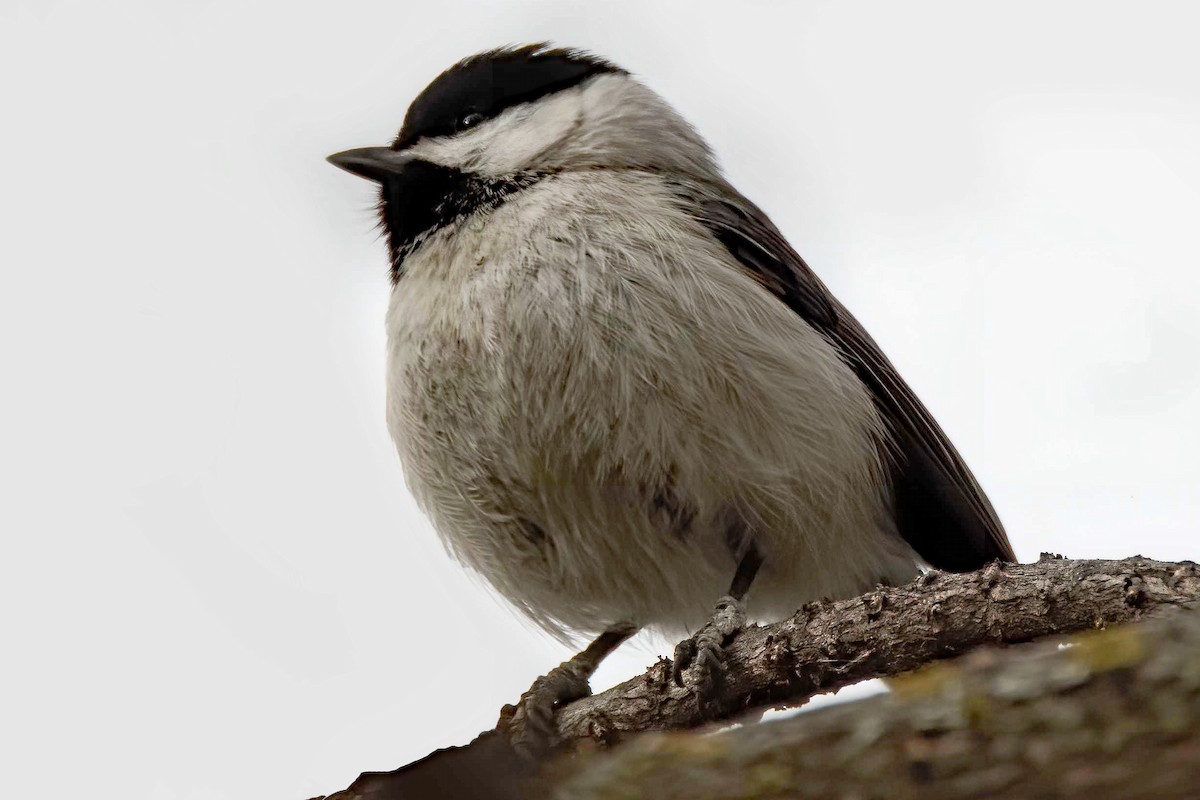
<point>618,392</point>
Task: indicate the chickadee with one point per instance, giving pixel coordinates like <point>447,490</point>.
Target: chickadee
<point>616,389</point>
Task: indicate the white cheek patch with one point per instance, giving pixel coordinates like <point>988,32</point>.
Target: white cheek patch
<point>518,139</point>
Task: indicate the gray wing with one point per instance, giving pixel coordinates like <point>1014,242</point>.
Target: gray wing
<point>940,508</point>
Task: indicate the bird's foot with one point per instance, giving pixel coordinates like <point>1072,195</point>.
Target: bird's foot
<point>704,653</point>
<point>529,724</point>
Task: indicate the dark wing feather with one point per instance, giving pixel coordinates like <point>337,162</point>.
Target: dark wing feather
<point>940,509</point>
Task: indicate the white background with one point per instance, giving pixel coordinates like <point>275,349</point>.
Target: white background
<point>214,583</point>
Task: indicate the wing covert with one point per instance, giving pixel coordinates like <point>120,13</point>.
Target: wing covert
<point>940,508</point>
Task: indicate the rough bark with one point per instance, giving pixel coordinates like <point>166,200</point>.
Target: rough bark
<point>827,645</point>
<point>1116,716</point>
<point>824,646</point>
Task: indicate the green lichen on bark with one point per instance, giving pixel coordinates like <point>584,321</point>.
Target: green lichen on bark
<point>1113,714</point>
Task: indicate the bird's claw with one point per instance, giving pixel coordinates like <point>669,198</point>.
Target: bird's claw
<point>704,653</point>
<point>530,724</point>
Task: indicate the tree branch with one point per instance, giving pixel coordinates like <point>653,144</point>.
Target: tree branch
<point>827,645</point>
<point>824,646</point>
<point>1115,716</point>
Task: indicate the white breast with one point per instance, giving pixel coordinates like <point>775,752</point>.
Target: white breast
<point>586,392</point>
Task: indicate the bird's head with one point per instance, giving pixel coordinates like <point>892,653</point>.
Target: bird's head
<point>503,119</point>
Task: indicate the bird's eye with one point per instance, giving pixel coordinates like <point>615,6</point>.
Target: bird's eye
<point>468,119</point>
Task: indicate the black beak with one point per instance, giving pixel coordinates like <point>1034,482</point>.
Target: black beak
<point>373,163</point>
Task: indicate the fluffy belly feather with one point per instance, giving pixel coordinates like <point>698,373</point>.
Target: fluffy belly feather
<point>593,410</point>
